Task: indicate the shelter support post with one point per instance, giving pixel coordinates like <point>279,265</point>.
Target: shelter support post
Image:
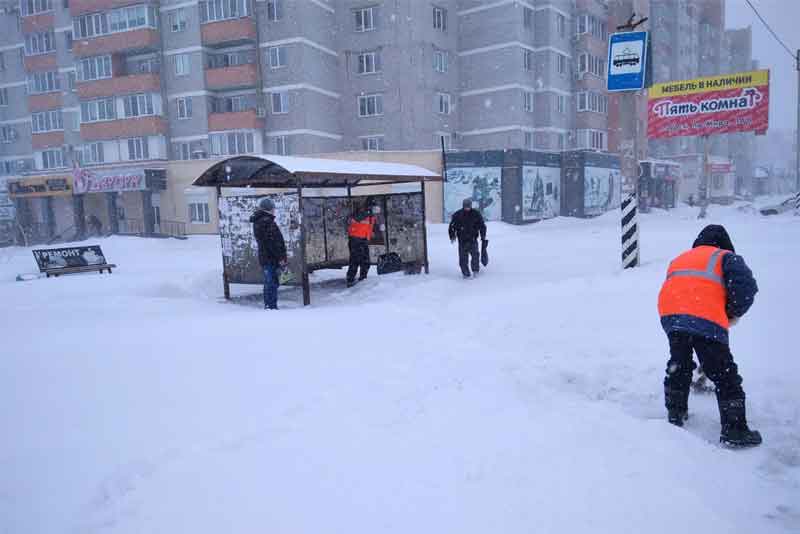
<point>424,228</point>
<point>226,286</point>
<point>304,264</point>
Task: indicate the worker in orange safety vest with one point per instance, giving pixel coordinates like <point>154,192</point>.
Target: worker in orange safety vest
<point>360,232</point>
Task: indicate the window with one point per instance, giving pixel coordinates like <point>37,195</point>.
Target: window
<point>440,19</point>
<point>592,64</point>
<point>52,159</point>
<point>72,77</point>
<point>138,105</point>
<point>229,104</point>
<point>282,145</point>
<point>182,151</point>
<point>94,68</point>
<point>372,144</point>
<point>280,103</point>
<point>198,212</point>
<point>370,105</point>
<point>68,39</point>
<point>440,61</point>
<point>561,64</point>
<point>7,134</point>
<point>561,103</point>
<point>47,121</point>
<point>40,43</point>
<point>365,19</point>
<point>527,17</point>
<point>150,65</point>
<point>592,25</point>
<point>592,139</point>
<point>591,101</point>
<point>2,61</point>
<point>118,20</point>
<point>277,57</point>
<point>369,63</point>
<point>231,59</point>
<point>561,25</point>
<point>32,7</point>
<point>446,139</point>
<point>528,101</point>
<point>444,103</point>
<point>92,154</point>
<point>215,10</point>
<point>184,108</point>
<point>528,59</point>
<point>98,110</point>
<point>177,20</point>
<point>562,144</point>
<point>232,143</point>
<point>181,64</point>
<point>4,96</point>
<point>529,140</point>
<point>274,10</point>
<point>87,26</point>
<point>137,149</point>
<point>43,82</point>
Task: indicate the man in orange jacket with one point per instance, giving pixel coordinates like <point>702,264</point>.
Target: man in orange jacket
<point>360,232</point>
<point>707,290</point>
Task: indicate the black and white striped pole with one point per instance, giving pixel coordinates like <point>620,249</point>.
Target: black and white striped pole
<point>630,230</point>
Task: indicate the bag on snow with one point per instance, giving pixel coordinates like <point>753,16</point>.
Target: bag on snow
<point>390,263</point>
<point>485,253</point>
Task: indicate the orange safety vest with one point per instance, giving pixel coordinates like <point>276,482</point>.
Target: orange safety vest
<point>361,229</point>
<point>695,286</point>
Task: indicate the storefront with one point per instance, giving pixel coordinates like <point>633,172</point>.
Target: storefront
<point>45,209</point>
<point>658,184</point>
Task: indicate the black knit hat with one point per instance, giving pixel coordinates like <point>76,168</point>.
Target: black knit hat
<point>714,235</point>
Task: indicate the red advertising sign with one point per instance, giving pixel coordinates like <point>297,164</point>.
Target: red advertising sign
<point>707,106</point>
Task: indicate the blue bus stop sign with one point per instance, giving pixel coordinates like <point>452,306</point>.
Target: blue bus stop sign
<point>627,61</point>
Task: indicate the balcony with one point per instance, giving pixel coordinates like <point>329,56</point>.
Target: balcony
<point>134,41</point>
<point>123,128</point>
<point>235,77</point>
<point>230,32</point>
<point>79,7</point>
<point>44,102</point>
<point>38,23</point>
<point>120,85</point>
<point>41,62</point>
<point>235,120</point>
<point>47,140</point>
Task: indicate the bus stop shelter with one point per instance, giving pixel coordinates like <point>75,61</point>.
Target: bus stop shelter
<point>314,228</point>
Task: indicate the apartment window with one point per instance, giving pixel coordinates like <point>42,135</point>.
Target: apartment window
<point>592,139</point>
<point>184,108</point>
<point>231,59</point>
<point>529,140</point>
<point>230,104</point>
<point>370,105</point>
<point>232,143</point>
<point>32,7</point>
<point>282,145</point>
<point>591,101</point>
<point>277,57</point>
<point>369,63</point>
<point>98,110</point>
<point>47,121</point>
<point>440,61</point>
<point>43,82</point>
<point>182,64</point>
<point>199,212</point>
<point>280,103</point>
<point>92,154</point>
<point>527,17</point>
<point>440,19</point>
<point>561,64</point>
<point>445,139</point>
<point>4,96</point>
<point>274,10</point>
<point>592,64</point>
<point>68,39</point>
<point>182,151</point>
<point>372,144</point>
<point>138,105</point>
<point>177,20</point>
<point>129,18</point>
<point>40,43</point>
<point>94,68</point>
<point>215,10</point>
<point>87,26</point>
<point>2,61</point>
<point>527,103</point>
<point>561,25</point>
<point>365,19</point>
<point>592,25</point>
<point>561,103</point>
<point>150,65</point>
<point>7,134</point>
<point>118,20</point>
<point>528,59</point>
<point>562,144</point>
<point>137,149</point>
<point>444,103</point>
<point>53,159</point>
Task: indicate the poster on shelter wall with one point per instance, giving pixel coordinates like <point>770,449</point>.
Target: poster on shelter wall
<point>239,247</point>
<point>601,191</point>
<point>482,184</point>
<point>541,195</point>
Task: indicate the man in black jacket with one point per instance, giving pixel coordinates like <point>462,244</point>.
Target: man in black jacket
<point>466,225</point>
<point>271,250</point>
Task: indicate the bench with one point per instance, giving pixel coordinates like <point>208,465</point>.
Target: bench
<point>71,260</point>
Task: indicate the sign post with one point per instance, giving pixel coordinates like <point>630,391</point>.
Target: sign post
<point>627,72</point>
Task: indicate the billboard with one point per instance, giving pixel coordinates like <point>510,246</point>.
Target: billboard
<point>708,106</point>
<point>540,192</point>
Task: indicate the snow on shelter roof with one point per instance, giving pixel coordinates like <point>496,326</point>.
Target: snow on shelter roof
<point>289,171</point>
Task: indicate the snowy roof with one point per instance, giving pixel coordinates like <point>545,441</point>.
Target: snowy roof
<point>290,171</point>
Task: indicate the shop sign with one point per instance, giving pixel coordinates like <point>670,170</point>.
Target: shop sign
<point>59,258</point>
<point>40,186</point>
<point>109,181</point>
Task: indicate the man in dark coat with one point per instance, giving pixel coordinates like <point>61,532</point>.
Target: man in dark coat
<point>707,290</point>
<point>271,250</point>
<point>466,225</point>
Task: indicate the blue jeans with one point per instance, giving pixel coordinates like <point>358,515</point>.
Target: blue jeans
<point>271,274</point>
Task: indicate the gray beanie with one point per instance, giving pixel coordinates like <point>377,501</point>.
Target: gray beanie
<point>266,204</point>
<point>467,203</point>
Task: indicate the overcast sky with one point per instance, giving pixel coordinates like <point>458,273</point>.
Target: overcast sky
<point>783,16</point>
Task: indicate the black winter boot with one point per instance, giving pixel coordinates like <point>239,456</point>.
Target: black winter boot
<point>677,403</point>
<point>735,431</point>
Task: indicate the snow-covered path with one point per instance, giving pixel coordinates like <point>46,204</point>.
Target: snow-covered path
<point>528,400</point>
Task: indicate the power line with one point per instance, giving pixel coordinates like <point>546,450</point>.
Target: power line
<point>775,35</point>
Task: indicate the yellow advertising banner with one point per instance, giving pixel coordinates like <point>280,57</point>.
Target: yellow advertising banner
<point>41,186</point>
<point>740,80</point>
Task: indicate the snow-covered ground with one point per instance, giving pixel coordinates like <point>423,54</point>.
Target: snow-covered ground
<point>528,400</point>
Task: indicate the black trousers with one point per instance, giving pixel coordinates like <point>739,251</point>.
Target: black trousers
<point>469,256</point>
<point>716,360</point>
<point>359,258</point>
